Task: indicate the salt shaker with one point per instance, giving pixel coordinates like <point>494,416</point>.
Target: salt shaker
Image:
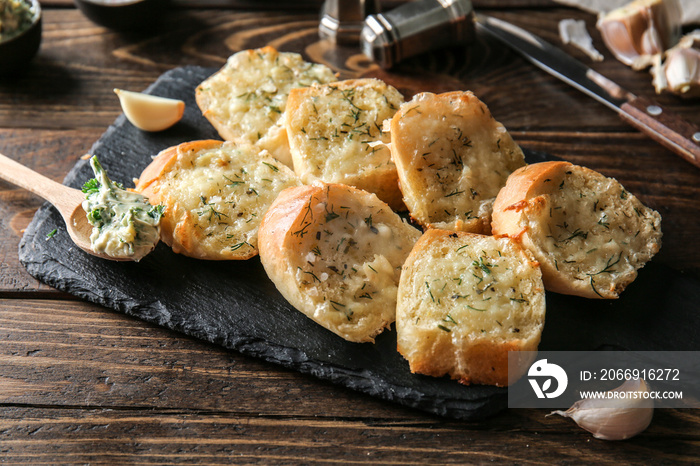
<point>342,20</point>
<point>415,28</point>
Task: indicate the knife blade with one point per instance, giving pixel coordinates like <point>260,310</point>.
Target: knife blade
<point>647,116</point>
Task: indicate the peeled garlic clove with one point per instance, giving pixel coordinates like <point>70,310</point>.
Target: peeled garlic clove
<point>682,70</point>
<point>641,29</point>
<point>149,112</point>
<point>680,73</point>
<point>614,418</point>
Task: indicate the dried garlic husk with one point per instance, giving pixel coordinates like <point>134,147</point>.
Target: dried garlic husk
<point>680,72</point>
<point>149,112</point>
<point>641,29</point>
<point>574,32</point>
<point>614,418</point>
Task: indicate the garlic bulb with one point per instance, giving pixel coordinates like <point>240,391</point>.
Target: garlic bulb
<point>149,112</point>
<point>641,29</point>
<point>617,417</point>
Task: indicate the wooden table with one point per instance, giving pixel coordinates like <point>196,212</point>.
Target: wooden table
<point>84,384</point>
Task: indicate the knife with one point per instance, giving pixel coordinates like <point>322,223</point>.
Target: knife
<point>671,131</point>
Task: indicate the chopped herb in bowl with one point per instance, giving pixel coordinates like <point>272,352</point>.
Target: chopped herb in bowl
<point>16,16</point>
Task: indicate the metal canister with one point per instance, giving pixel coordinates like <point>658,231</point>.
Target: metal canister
<point>342,20</point>
<point>415,28</point>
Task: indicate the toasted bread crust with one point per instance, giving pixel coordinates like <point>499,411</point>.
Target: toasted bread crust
<point>335,253</point>
<point>589,234</point>
<point>448,324</point>
<point>214,194</point>
<point>452,158</point>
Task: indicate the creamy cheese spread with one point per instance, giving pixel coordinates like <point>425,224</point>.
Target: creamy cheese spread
<point>124,224</point>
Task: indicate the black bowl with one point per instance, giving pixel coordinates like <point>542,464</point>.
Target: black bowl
<point>15,53</point>
<point>123,15</point>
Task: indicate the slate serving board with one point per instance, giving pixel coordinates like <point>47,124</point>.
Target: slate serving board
<point>234,304</point>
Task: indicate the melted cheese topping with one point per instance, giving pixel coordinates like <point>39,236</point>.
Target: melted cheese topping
<point>454,158</point>
<point>249,95</point>
<point>597,231</point>
<point>335,127</point>
<point>353,264</point>
<point>220,195</point>
<point>478,288</point>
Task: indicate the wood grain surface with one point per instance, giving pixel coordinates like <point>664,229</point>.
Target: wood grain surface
<point>82,384</point>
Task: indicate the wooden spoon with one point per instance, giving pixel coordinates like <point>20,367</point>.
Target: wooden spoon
<point>68,201</point>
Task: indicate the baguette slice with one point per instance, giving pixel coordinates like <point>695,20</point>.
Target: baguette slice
<point>246,99</point>
<point>335,135</point>
<point>215,194</point>
<point>452,158</point>
<point>335,253</point>
<point>589,234</point>
<point>466,300</point>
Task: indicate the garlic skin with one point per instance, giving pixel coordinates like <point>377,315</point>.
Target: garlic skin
<point>149,112</point>
<point>614,418</point>
<point>641,29</point>
<point>574,32</point>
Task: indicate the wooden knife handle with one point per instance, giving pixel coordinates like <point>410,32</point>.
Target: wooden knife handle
<point>666,128</point>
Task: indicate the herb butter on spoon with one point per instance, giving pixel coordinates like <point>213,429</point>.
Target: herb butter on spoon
<point>124,224</point>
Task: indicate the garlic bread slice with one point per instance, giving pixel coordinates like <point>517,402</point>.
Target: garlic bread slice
<point>215,194</point>
<point>246,99</point>
<point>465,300</point>
<point>452,158</point>
<point>335,253</point>
<point>335,135</point>
<point>588,232</point>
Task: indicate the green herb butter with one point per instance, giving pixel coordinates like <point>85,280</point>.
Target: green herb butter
<point>124,224</point>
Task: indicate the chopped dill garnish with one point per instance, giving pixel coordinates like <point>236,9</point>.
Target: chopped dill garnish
<point>608,266</point>
<point>448,318</point>
<point>593,286</point>
<point>313,275</point>
<point>483,266</point>
<point>475,309</point>
<point>240,245</point>
<point>231,182</point>
<point>432,298</point>
<point>272,167</point>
